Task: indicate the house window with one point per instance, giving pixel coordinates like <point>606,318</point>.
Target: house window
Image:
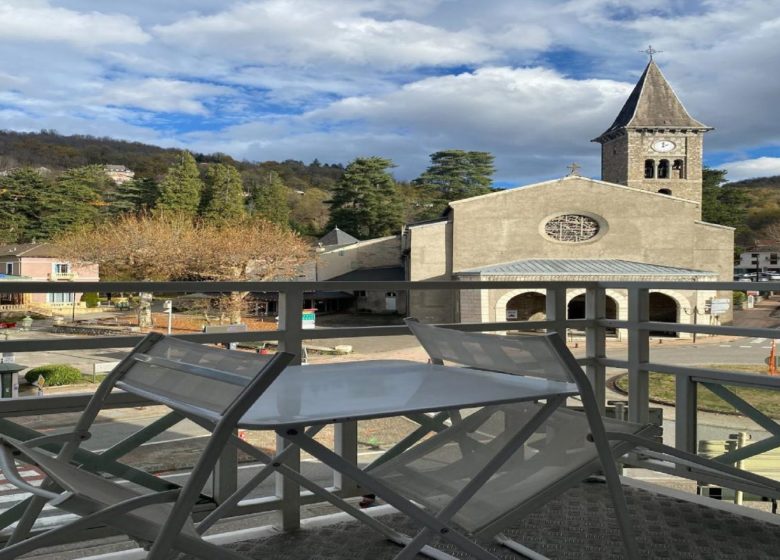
<point>9,268</point>
<point>649,169</point>
<point>60,298</point>
<point>360,293</point>
<point>772,258</point>
<point>663,169</point>
<point>61,268</point>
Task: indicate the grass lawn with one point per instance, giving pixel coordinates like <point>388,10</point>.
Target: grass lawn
<point>662,388</point>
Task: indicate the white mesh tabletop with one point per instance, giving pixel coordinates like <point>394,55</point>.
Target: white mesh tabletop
<point>325,393</point>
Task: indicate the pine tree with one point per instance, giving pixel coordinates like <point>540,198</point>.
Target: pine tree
<point>20,193</point>
<point>224,194</point>
<point>181,188</point>
<point>453,175</point>
<point>269,199</point>
<point>366,202</point>
<point>73,199</point>
<point>138,195</point>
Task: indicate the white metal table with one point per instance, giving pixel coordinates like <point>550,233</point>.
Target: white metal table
<point>305,398</point>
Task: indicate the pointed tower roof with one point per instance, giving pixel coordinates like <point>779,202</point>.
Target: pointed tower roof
<point>653,104</point>
<point>337,237</point>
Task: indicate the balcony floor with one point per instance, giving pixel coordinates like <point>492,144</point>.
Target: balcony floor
<point>578,525</point>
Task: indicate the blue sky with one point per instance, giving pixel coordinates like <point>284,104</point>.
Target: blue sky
<point>531,81</point>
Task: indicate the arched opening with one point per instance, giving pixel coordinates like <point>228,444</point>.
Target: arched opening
<point>679,169</point>
<point>649,169</point>
<point>529,306</point>
<point>576,309</point>
<point>663,169</point>
<point>665,191</point>
<point>664,309</point>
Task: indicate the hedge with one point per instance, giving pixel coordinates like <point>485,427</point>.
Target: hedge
<point>54,374</point>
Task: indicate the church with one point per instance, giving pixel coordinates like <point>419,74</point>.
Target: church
<point>640,222</point>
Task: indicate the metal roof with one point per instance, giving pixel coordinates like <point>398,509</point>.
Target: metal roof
<point>584,267</point>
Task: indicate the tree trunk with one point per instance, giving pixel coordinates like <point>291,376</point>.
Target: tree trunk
<point>235,306</point>
<point>145,310</point>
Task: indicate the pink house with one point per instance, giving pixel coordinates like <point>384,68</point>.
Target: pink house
<point>40,262</point>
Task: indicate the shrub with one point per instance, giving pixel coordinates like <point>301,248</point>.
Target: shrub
<point>91,299</point>
<point>739,298</point>
<point>54,374</point>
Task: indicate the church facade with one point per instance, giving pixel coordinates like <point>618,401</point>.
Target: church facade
<point>641,222</point>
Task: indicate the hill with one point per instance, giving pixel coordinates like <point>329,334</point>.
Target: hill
<point>762,206</point>
<point>54,151</point>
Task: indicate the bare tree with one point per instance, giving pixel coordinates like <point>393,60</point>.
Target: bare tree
<point>169,247</point>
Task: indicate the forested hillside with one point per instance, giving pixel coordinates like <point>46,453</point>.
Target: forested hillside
<point>751,206</point>
<point>58,153</point>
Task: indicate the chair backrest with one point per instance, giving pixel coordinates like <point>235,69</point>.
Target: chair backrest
<point>189,377</point>
<point>535,355</point>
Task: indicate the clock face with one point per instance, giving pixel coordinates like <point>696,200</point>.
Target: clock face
<point>663,145</point>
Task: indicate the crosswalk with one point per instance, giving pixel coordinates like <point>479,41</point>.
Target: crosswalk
<point>763,343</point>
<point>31,475</point>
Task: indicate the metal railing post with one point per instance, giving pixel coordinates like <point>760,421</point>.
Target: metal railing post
<point>596,343</point>
<point>685,413</point>
<point>555,306</point>
<point>290,321</point>
<point>638,355</point>
<point>290,309</point>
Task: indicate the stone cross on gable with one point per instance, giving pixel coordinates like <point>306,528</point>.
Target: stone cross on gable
<point>574,169</point>
<point>650,51</point>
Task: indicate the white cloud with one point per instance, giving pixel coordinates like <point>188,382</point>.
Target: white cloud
<point>751,168</point>
<point>317,32</point>
<point>161,95</point>
<point>534,120</point>
<point>38,21</point>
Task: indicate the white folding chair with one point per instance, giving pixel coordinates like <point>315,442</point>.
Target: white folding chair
<point>554,452</point>
<point>212,386</point>
<point>494,465</point>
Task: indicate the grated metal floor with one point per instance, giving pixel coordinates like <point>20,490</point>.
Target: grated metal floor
<point>578,525</point>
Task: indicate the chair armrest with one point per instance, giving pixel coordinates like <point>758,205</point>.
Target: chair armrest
<point>11,473</point>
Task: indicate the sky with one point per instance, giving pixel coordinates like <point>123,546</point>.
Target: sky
<point>531,81</point>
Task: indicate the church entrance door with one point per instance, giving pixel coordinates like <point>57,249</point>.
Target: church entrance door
<point>529,306</point>
<point>663,308</point>
<point>576,309</point>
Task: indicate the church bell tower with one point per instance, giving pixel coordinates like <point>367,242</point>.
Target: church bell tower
<point>654,144</point>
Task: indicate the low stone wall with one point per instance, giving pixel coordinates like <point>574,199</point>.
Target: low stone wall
<point>91,330</point>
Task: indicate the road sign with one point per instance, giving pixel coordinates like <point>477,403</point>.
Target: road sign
<point>308,318</point>
<point>719,306</point>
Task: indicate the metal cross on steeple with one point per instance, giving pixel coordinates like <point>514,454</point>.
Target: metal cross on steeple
<point>650,51</point>
<point>573,169</point>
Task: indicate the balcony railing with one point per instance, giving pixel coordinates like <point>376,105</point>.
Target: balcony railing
<point>290,337</point>
<point>57,276</point>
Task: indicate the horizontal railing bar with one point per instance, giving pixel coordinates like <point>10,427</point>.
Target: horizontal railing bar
<point>703,374</point>
<point>73,402</point>
<point>311,286</point>
<point>721,376</point>
<point>691,328</point>
<point>258,286</point>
